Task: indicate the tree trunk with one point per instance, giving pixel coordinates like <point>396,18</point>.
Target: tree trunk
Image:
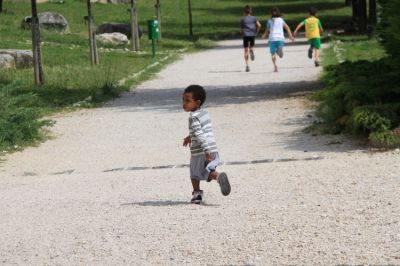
<point>36,50</point>
<point>363,16</point>
<point>1,5</point>
<point>355,6</point>
<point>372,13</point>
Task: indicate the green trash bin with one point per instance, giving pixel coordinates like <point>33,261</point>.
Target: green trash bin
<point>153,29</point>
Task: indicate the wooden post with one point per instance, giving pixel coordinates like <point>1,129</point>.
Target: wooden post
<point>158,15</point>
<point>135,41</point>
<point>37,55</point>
<point>190,18</point>
<point>92,39</point>
<point>134,27</point>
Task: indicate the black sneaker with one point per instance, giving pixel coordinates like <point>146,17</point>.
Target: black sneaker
<point>252,57</point>
<point>310,50</point>
<point>224,184</point>
<point>317,64</point>
<point>247,69</point>
<point>197,197</point>
<point>280,52</point>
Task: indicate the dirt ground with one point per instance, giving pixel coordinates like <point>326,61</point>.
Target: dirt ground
<point>112,187</point>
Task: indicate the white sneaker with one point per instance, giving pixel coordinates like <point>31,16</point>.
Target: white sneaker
<point>197,197</point>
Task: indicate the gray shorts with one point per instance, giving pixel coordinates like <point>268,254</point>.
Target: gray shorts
<point>200,168</point>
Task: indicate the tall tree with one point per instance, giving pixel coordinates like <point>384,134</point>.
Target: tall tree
<point>359,8</point>
<point>372,18</point>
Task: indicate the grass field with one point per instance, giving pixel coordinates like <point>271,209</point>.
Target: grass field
<point>70,79</point>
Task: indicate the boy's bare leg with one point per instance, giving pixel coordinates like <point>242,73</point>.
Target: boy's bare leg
<point>213,175</point>
<point>246,55</point>
<point>316,54</point>
<point>274,61</point>
<point>195,184</point>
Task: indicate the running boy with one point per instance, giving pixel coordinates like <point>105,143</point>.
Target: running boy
<point>276,37</point>
<point>249,27</point>
<point>204,153</point>
<point>313,29</point>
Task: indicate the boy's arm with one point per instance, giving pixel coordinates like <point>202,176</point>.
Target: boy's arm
<point>320,26</point>
<point>258,26</point>
<point>187,141</point>
<point>297,28</point>
<point>265,34</point>
<point>241,26</point>
<point>287,28</point>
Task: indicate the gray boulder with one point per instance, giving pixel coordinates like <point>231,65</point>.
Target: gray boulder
<point>119,1</point>
<point>110,27</point>
<point>21,58</point>
<point>114,38</point>
<point>6,61</point>
<point>48,21</point>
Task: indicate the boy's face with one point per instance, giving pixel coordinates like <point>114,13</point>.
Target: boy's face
<point>188,103</point>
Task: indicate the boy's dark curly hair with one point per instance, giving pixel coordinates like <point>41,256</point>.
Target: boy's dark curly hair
<point>198,92</point>
<point>312,11</point>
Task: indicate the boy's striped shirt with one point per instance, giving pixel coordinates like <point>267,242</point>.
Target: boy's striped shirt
<point>201,134</point>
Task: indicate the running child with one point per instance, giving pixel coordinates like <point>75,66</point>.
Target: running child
<point>249,28</point>
<point>203,147</point>
<point>313,28</point>
<point>276,37</point>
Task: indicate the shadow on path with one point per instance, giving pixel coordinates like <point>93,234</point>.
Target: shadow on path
<point>159,203</point>
<point>169,100</point>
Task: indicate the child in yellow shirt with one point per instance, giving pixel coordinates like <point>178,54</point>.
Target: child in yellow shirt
<point>313,28</point>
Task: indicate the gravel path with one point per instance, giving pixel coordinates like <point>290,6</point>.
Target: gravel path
<point>112,186</point>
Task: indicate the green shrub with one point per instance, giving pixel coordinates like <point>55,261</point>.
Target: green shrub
<point>20,121</point>
<point>388,28</point>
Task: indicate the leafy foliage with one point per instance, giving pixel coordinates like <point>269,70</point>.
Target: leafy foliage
<point>20,121</point>
<point>388,28</point>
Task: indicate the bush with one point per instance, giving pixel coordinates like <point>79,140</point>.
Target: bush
<point>362,98</point>
<point>388,27</point>
<point>20,121</point>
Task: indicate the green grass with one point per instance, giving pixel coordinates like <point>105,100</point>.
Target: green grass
<point>70,79</point>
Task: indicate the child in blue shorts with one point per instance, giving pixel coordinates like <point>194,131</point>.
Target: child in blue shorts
<point>276,37</point>
<point>203,147</point>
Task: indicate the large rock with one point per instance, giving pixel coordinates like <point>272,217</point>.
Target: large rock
<point>119,1</point>
<point>110,27</point>
<point>114,38</point>
<point>48,21</point>
<point>6,61</point>
<point>22,58</point>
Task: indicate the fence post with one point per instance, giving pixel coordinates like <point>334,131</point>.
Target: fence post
<point>37,55</point>
<point>158,15</point>
<point>135,41</point>
<point>92,38</point>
